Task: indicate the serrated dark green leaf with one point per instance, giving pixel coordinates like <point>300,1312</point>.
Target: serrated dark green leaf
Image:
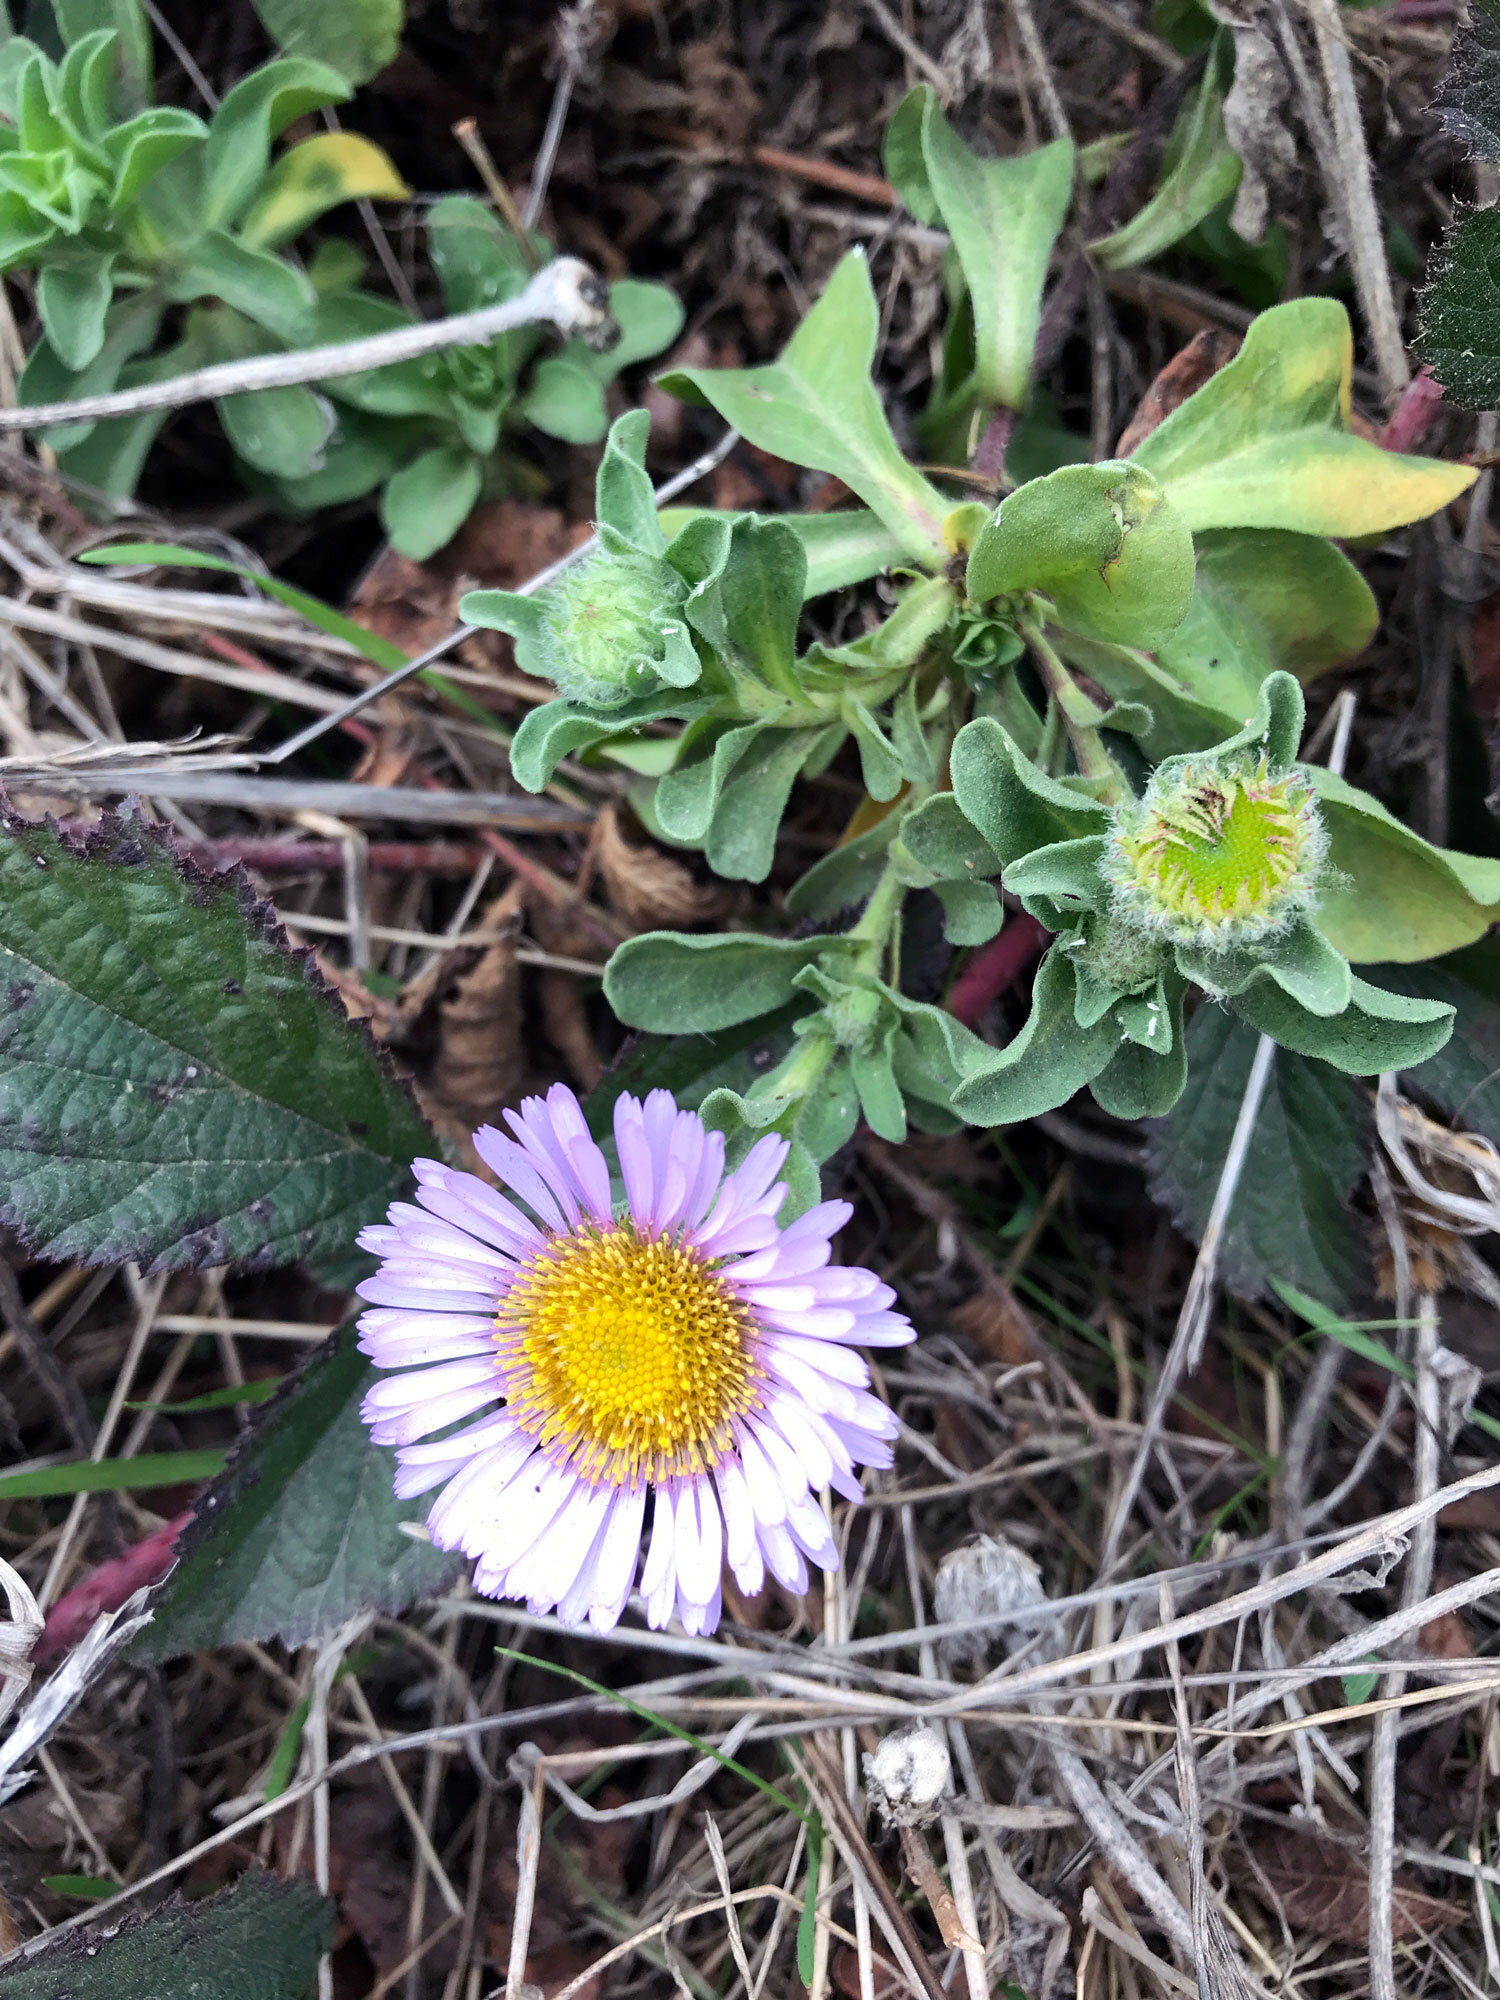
<point>1460,337</point>
<point>176,1086</point>
<point>259,1940</point>
<point>1468,99</point>
<point>1463,1078</point>
<point>303,1528</point>
<point>691,1066</point>
<point>1291,1217</point>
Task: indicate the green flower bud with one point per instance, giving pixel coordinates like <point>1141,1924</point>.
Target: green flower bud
<point>606,626</point>
<point>1216,855</point>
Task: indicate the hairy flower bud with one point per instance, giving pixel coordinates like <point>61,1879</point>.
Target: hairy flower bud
<point>607,624</point>
<point>909,1774</point>
<point>1216,854</point>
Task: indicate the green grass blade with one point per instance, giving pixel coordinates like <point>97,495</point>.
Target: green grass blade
<point>660,1722</point>
<point>113,1475</point>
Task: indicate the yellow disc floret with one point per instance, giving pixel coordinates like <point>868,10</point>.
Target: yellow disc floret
<point>627,1352</point>
<point>1217,856</point>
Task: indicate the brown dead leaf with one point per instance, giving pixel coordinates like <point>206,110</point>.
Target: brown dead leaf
<point>1325,1889</point>
<point>722,99</point>
<point>406,602</point>
<point>1479,1512</point>
<point>1447,1637</point>
<point>478,1065</point>
<point>386,761</point>
<point>648,888</point>
<point>1190,367</point>
<point>996,1322</point>
<point>502,543</point>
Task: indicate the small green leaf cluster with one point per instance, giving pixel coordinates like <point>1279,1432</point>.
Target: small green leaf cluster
<point>1210,880</point>
<point>126,211</point>
<point>431,432</point>
<point>1087,696</point>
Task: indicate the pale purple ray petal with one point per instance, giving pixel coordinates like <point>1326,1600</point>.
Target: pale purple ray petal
<point>533,1500</point>
<point>701,1195</point>
<point>815,1388</point>
<point>808,1526</point>
<point>659,1569</point>
<point>882,1329</point>
<point>740,1544</point>
<point>619,1552</point>
<point>783,1557</point>
<point>513,1165</point>
<point>395,1284</point>
<point>549,1568</point>
<point>536,1130</point>
<point>476,1493</point>
<point>422,1466</point>
<point>466,1200</point>
<point>427,1413</point>
<point>761,1480</point>
<point>698,1619</point>
<point>414,1348</point>
<point>749,1232</point>
<point>700,1541</point>
<point>574,1144</point>
<point>634,1149</point>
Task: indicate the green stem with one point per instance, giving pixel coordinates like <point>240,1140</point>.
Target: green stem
<point>1076,709</point>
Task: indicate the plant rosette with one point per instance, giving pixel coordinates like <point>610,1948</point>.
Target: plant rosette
<point>1211,878</point>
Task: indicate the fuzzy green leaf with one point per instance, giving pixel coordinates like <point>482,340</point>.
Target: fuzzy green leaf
<point>1264,599</point>
<point>1201,170</point>
<point>426,503</point>
<point>565,401</point>
<point>676,985</point>
<point>260,1939</point>
<point>741,840</point>
<point>174,1085</point>
<point>817,407</point>
<point>1290,1216</point>
<point>842,548</point>
<point>1004,217</point>
<point>1015,806</point>
<point>1265,443</point>
<point>355,37</point>
<point>237,155</point>
<point>562,728</point>
<point>1376,1031</point>
<point>73,295</point>
<point>1390,895</point>
<point>1046,1062</point>
<point>302,1529</point>
<point>1102,541</point>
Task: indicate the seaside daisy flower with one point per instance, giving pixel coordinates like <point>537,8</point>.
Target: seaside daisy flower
<point>677,1366</point>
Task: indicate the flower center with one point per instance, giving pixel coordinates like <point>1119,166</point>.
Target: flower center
<point>630,1352</point>
<point>1221,853</point>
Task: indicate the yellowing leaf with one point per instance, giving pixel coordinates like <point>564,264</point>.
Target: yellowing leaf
<point>1265,443</point>
<point>1392,897</point>
<point>317,175</point>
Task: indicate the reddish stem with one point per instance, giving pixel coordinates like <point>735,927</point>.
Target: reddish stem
<point>995,968</point>
<point>1415,412</point>
<point>109,1586</point>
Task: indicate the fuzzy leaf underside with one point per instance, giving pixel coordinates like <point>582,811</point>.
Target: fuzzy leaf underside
<point>1291,1217</point>
<point>175,1085</point>
<point>301,1530</point>
<point>1460,336</point>
<point>259,1940</point>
